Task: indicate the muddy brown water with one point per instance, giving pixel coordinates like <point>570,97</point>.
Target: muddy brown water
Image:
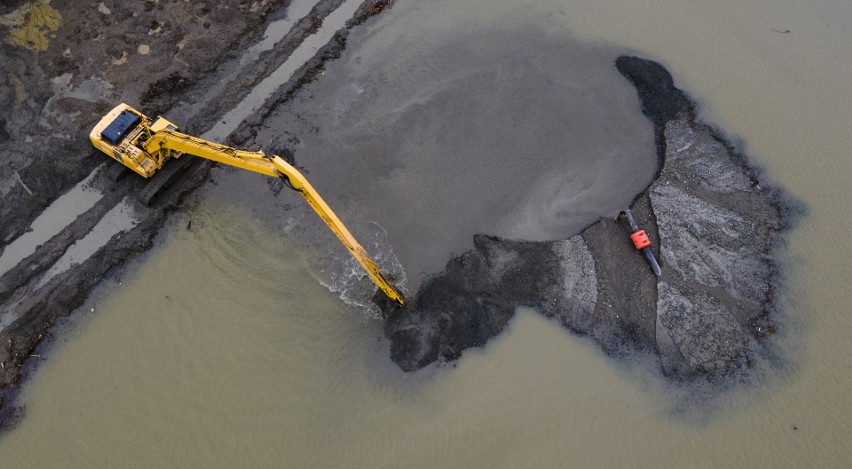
<point>221,347</point>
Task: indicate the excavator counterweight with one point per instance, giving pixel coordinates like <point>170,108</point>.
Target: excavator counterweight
<point>146,146</point>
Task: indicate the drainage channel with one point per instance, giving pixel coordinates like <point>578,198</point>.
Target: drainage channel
<point>233,68</point>
<point>276,30</point>
<point>55,218</point>
<point>266,88</point>
<point>118,220</point>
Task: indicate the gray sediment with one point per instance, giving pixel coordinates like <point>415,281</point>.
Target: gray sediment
<point>715,228</point>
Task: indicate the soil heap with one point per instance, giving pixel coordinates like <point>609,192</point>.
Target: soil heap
<point>715,229</point>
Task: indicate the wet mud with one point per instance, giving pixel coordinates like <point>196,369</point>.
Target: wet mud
<point>714,225</point>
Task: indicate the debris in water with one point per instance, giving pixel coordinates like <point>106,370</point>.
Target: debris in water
<point>21,182</point>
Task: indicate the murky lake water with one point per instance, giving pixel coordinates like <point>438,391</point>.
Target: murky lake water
<point>242,358</point>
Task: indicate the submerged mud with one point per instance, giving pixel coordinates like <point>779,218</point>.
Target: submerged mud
<point>715,228</point>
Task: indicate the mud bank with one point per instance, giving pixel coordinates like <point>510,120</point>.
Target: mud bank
<point>715,227</point>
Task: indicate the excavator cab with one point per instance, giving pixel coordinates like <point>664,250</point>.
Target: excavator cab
<point>122,134</point>
<point>116,135</point>
<point>115,132</point>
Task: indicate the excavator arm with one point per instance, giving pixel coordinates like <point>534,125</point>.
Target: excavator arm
<point>165,141</point>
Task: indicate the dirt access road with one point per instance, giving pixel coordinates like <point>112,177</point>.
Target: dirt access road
<point>63,64</point>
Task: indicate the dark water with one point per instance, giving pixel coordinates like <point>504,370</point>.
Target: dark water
<point>511,133</point>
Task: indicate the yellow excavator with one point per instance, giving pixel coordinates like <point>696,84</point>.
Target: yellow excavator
<point>147,146</point>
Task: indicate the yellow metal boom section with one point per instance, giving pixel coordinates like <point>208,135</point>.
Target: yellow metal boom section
<point>275,166</point>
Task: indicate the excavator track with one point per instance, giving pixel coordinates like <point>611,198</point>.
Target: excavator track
<point>163,179</point>
<point>116,171</point>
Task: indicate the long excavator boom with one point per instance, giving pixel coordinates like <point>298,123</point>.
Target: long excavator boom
<point>273,166</point>
<point>145,145</point>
